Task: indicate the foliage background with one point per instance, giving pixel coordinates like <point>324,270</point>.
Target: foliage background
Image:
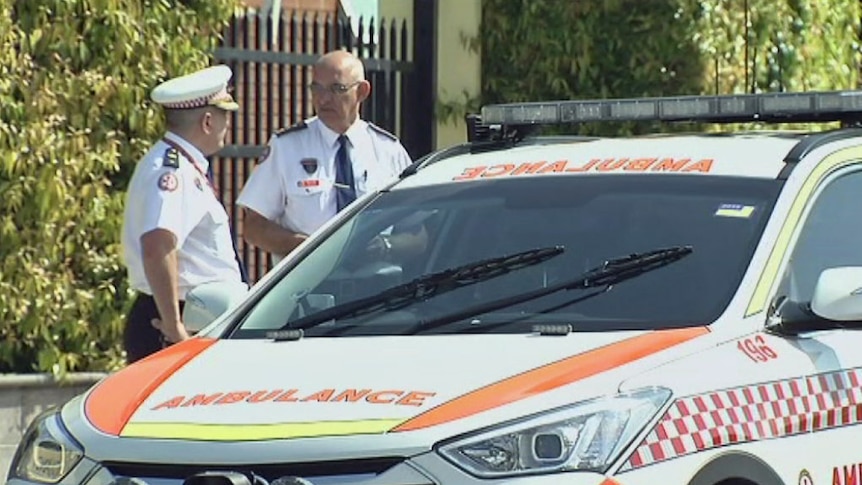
<point>75,117</point>
<point>550,49</point>
<point>75,77</point>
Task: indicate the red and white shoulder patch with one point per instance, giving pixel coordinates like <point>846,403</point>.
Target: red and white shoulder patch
<point>168,182</point>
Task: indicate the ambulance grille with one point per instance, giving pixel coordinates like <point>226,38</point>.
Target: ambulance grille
<point>268,471</point>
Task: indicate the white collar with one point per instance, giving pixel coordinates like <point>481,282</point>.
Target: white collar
<point>331,138</point>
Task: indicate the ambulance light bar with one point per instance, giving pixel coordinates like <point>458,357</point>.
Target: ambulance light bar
<point>802,107</point>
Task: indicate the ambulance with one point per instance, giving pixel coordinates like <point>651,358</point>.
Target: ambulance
<point>682,307</point>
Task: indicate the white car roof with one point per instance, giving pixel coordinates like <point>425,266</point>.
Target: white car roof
<point>758,154</point>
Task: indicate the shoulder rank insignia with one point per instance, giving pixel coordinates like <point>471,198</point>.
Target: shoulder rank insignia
<point>382,131</point>
<point>290,129</point>
<point>171,158</point>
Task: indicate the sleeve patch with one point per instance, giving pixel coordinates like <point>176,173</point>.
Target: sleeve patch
<point>263,156</point>
<point>168,182</point>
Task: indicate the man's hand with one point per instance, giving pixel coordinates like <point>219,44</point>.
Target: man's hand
<point>268,235</point>
<point>172,333</point>
<point>380,247</point>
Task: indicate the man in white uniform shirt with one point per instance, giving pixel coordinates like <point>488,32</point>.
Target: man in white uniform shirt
<point>316,168</point>
<point>176,233</point>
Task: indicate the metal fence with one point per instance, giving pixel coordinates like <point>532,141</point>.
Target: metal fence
<point>272,63</point>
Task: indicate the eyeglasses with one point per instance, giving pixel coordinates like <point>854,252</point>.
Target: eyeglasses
<point>335,88</point>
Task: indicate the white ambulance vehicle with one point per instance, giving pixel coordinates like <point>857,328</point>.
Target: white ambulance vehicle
<point>528,310</point>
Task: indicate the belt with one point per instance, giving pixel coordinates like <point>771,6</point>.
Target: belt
<point>147,296</point>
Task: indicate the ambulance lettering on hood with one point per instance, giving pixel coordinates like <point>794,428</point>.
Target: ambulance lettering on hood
<point>392,397</point>
<point>195,390</point>
<point>684,165</point>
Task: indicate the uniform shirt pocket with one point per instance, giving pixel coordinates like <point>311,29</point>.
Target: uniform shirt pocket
<point>374,177</point>
<point>307,203</point>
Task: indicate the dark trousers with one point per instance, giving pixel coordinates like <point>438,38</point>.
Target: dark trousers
<point>140,338</point>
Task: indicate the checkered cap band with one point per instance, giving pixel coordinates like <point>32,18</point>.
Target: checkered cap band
<point>199,102</point>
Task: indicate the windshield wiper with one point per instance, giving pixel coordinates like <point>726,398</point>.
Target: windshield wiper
<point>428,286</point>
<point>609,273</point>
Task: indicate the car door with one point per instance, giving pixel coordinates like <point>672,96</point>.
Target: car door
<point>829,402</point>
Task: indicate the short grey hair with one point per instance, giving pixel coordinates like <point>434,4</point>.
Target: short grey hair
<point>182,119</point>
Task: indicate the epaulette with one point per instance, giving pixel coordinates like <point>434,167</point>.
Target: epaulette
<point>290,129</point>
<point>171,158</point>
<point>382,132</point>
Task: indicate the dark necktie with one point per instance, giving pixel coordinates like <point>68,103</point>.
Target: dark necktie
<point>345,191</point>
<point>243,274</point>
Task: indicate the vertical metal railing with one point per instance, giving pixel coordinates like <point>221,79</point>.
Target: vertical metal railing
<point>270,83</point>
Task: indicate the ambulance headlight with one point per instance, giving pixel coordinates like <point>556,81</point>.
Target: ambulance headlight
<point>47,453</point>
<point>586,436</point>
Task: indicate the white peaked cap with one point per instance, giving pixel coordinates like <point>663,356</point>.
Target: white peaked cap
<point>207,87</point>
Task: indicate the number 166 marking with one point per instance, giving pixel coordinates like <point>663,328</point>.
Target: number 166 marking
<point>757,349</point>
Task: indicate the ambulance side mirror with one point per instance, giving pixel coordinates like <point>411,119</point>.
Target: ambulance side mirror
<point>206,303</point>
<point>838,294</point>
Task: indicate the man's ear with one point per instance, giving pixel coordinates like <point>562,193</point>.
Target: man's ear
<point>363,90</point>
<point>206,122</point>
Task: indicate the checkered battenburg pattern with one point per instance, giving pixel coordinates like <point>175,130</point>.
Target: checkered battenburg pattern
<point>752,413</point>
<point>221,95</point>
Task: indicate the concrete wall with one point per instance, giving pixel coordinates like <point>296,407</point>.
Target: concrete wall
<point>22,397</point>
<point>457,69</point>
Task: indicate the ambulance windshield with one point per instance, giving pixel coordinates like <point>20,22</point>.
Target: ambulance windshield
<point>419,234</point>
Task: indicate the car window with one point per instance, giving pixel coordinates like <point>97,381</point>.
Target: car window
<point>593,219</point>
<point>831,236</point>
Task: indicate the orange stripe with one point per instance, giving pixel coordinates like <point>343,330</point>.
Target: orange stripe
<point>110,405</point>
<point>552,376</point>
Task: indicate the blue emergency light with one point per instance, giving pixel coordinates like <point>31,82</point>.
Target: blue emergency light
<point>801,107</point>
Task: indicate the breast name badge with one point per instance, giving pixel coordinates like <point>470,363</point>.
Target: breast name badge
<point>308,184</point>
<point>310,166</point>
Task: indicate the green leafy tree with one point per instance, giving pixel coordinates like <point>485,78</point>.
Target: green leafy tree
<point>75,77</point>
<point>536,50</point>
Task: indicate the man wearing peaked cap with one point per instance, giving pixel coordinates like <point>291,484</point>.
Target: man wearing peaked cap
<point>207,87</point>
<point>176,233</point>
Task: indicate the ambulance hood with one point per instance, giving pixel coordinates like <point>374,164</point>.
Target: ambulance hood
<point>257,389</point>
